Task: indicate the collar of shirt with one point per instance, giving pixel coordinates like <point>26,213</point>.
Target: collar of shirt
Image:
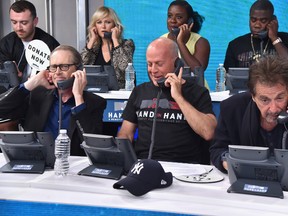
<point>52,123</point>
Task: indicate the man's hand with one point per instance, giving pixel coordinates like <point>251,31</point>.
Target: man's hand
<point>79,85</point>
<point>175,82</point>
<point>272,28</point>
<point>225,165</point>
<point>40,79</point>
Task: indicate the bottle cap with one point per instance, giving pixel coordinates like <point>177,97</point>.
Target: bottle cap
<point>129,63</point>
<point>63,131</point>
<point>221,64</point>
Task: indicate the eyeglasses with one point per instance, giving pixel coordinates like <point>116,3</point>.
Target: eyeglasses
<point>63,67</point>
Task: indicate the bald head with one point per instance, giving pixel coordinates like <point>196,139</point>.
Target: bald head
<point>163,46</point>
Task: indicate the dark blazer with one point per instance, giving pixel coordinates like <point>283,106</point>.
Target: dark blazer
<point>12,48</point>
<point>33,110</point>
<point>239,124</point>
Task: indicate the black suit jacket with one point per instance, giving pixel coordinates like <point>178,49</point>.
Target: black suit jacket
<point>33,109</point>
<point>12,48</point>
<point>239,124</point>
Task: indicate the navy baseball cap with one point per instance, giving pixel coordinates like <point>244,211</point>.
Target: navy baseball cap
<point>144,176</point>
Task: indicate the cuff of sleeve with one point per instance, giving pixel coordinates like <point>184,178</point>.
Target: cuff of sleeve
<point>117,47</point>
<point>88,48</point>
<point>75,110</point>
<point>22,88</point>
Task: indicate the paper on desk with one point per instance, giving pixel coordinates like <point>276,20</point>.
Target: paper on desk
<point>179,169</point>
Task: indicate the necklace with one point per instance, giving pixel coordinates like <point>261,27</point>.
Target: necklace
<point>256,56</point>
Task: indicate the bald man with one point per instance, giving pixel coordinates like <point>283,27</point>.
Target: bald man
<point>185,121</point>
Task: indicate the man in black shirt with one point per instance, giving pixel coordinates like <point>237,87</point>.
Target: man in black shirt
<point>264,38</point>
<point>24,19</point>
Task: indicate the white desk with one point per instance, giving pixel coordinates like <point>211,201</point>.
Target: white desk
<point>117,100</point>
<point>124,95</point>
<point>180,197</point>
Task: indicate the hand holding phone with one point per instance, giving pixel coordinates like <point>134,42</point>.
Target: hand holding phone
<point>176,31</point>
<point>272,28</point>
<point>114,34</point>
<point>178,64</point>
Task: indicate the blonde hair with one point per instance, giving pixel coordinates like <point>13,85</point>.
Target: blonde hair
<point>101,13</point>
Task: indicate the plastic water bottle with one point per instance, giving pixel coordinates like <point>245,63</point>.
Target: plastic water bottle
<point>220,78</point>
<point>62,153</point>
<point>129,77</point>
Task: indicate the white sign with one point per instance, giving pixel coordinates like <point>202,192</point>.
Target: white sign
<point>38,55</point>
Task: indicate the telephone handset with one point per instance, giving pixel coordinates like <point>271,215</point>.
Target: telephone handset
<point>264,33</point>
<point>108,35</point>
<point>282,117</point>
<point>176,31</point>
<point>178,64</point>
<point>65,84</point>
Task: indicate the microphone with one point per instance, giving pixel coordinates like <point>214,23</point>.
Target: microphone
<point>154,125</point>
<point>60,112</point>
<point>62,85</point>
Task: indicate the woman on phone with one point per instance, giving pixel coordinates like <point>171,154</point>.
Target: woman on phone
<point>106,45</point>
<point>194,49</point>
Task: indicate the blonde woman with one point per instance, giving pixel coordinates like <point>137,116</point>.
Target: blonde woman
<point>112,50</point>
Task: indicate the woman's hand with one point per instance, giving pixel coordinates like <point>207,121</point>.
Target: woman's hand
<point>116,32</point>
<point>184,33</point>
<point>94,37</point>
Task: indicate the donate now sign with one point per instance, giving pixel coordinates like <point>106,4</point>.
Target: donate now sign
<point>38,55</point>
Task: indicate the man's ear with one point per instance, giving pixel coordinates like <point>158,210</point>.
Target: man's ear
<point>35,21</point>
<point>253,98</point>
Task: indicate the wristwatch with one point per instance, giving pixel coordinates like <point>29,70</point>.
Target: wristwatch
<point>278,40</point>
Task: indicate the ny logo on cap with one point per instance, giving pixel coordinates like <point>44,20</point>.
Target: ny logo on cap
<point>137,168</point>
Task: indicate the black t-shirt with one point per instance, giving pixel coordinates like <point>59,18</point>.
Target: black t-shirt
<point>174,138</point>
<point>240,52</point>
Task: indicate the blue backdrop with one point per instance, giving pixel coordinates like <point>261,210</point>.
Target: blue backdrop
<point>145,20</point>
